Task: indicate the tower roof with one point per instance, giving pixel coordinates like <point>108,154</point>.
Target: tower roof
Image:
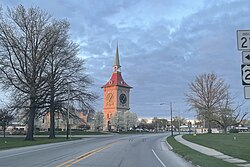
<point>116,80</point>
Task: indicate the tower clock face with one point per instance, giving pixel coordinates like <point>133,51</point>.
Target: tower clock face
<point>123,98</point>
<point>110,98</point>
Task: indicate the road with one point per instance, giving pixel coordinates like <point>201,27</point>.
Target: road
<point>147,150</point>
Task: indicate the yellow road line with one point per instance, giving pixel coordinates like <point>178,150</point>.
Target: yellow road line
<point>83,156</point>
<point>78,160</point>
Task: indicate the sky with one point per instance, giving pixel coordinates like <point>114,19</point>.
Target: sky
<point>163,46</point>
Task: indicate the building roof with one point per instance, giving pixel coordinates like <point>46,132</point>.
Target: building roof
<point>116,80</point>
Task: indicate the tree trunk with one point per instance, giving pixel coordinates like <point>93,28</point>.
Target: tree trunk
<point>4,129</point>
<point>32,111</point>
<point>29,135</point>
<point>225,129</point>
<point>209,121</point>
<point>52,118</point>
<point>209,127</point>
<point>52,123</point>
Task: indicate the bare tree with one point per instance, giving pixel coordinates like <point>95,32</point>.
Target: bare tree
<point>227,116</point>
<point>206,94</point>
<point>5,119</point>
<point>27,38</point>
<point>65,74</point>
<point>178,121</point>
<point>159,123</point>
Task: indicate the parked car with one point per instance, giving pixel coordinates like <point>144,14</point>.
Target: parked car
<point>17,132</point>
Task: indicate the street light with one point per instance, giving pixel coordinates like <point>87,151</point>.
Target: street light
<point>171,117</point>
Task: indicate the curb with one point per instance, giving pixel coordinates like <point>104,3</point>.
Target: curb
<point>169,146</point>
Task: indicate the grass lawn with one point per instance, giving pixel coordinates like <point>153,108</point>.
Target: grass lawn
<point>13,142</point>
<point>234,144</point>
<point>196,157</point>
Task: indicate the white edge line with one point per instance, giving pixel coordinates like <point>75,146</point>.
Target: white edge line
<point>158,158</point>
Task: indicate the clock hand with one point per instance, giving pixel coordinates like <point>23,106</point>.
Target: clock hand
<point>123,99</point>
<point>110,97</point>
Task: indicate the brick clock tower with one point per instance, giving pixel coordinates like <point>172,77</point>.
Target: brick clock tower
<point>116,93</point>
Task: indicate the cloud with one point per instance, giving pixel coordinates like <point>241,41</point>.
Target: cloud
<point>163,45</point>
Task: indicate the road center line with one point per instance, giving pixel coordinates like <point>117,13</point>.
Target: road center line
<point>158,158</point>
<point>84,156</point>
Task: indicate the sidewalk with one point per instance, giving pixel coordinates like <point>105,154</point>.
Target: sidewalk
<point>212,152</point>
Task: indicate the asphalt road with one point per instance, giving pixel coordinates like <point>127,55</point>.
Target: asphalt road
<point>147,150</point>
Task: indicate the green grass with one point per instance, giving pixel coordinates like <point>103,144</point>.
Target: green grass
<point>196,157</point>
<point>225,143</point>
<point>13,142</point>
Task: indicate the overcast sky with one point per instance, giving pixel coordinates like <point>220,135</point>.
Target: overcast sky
<point>163,45</point>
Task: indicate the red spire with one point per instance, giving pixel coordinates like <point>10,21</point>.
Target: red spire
<point>116,78</point>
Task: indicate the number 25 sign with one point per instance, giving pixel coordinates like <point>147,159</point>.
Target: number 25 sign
<point>245,74</point>
<point>243,39</point>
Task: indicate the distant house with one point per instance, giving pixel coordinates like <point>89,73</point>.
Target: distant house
<point>43,123</point>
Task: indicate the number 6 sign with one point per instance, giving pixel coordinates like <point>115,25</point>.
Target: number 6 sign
<point>245,74</point>
<point>243,39</point>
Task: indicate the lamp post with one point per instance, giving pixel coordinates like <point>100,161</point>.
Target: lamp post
<point>171,116</point>
<point>179,122</point>
<point>171,113</point>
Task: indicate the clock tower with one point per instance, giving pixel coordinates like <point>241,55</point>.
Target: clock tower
<point>116,93</point>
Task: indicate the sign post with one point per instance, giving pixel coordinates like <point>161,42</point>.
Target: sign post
<point>243,44</point>
<point>247,92</point>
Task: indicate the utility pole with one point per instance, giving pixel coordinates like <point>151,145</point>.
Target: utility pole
<point>179,122</point>
<point>171,116</point>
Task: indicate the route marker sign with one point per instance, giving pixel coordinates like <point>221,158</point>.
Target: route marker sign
<point>247,92</point>
<point>245,69</point>
<point>243,39</point>
<point>246,57</point>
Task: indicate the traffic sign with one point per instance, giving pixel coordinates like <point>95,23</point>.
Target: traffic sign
<point>247,92</point>
<point>243,39</point>
<point>246,57</point>
<point>245,69</point>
